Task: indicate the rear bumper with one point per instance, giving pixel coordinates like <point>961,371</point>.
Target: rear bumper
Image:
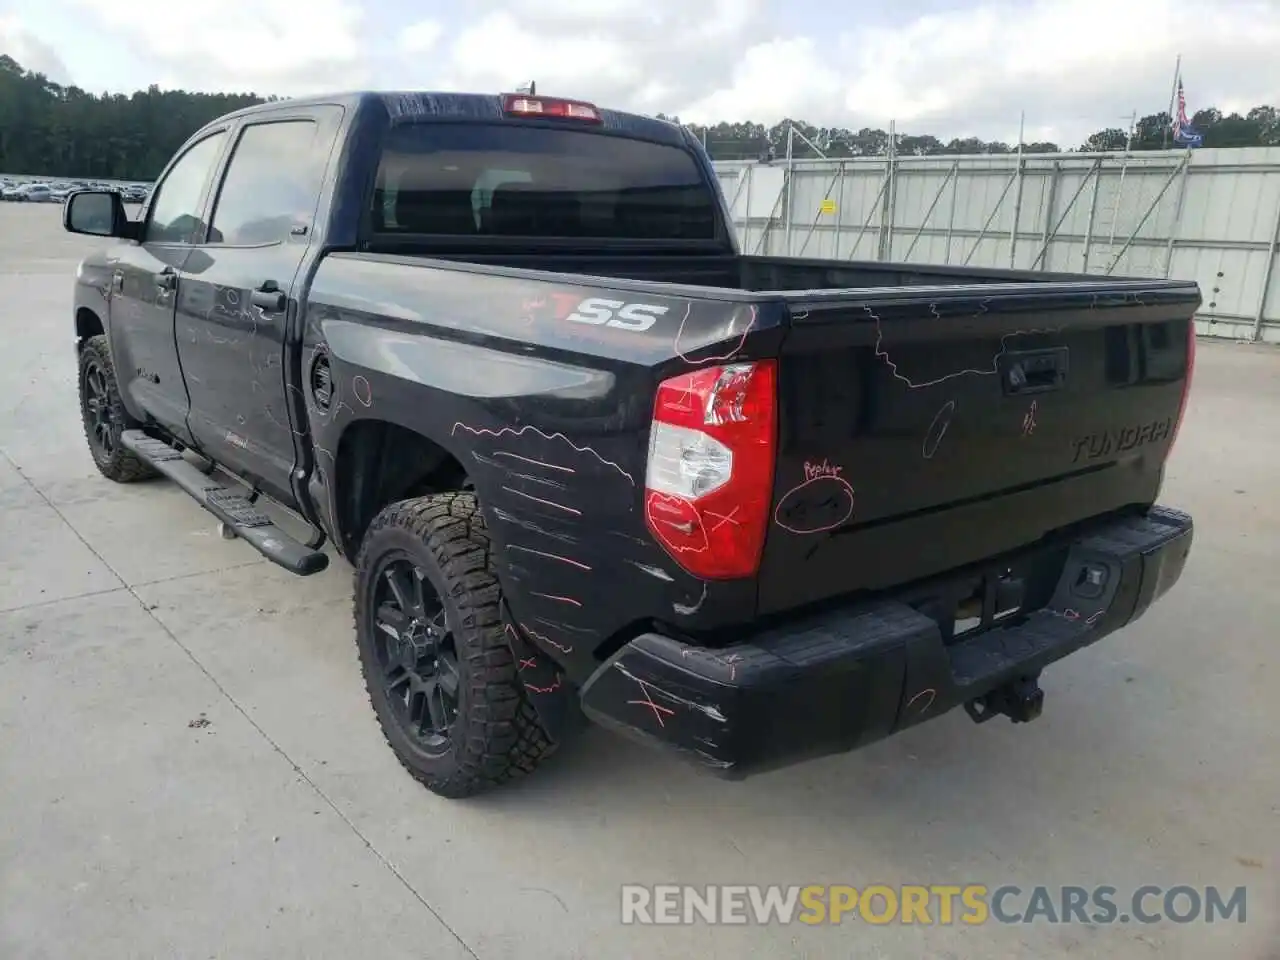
<point>840,680</point>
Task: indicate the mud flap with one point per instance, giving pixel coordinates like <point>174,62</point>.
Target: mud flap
<point>548,690</point>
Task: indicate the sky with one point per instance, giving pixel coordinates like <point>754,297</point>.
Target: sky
<point>945,67</point>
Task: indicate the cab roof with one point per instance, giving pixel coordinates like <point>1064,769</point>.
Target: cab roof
<point>410,106</point>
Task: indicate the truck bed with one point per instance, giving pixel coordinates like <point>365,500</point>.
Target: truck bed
<point>744,273</point>
<point>905,448</point>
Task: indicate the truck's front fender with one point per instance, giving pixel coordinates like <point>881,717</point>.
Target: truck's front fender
<point>92,299</point>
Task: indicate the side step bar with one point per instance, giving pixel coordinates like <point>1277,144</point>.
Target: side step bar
<point>229,505</point>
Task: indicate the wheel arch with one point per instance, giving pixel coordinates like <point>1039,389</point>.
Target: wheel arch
<point>378,462</point>
<point>88,324</point>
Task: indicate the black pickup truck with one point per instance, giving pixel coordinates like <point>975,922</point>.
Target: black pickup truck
<point>504,354</point>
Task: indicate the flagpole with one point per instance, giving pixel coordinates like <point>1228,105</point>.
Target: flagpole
<point>1173,95</point>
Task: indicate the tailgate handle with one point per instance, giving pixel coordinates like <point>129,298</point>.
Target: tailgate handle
<point>1034,371</point>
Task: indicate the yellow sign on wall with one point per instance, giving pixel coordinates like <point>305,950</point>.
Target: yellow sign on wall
<point>828,206</point>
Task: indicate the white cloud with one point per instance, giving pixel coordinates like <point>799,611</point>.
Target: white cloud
<point>30,51</point>
<point>1072,65</point>
<point>420,37</point>
<point>650,55</point>
<point>772,80</point>
<point>497,52</point>
<point>239,45</point>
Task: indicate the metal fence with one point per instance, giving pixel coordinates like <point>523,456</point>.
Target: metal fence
<point>1212,216</point>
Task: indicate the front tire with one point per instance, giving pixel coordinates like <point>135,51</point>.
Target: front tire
<point>439,672</point>
<point>104,417</point>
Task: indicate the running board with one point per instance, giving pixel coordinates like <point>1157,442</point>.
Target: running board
<point>226,502</point>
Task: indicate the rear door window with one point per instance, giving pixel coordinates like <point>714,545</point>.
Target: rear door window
<point>272,184</point>
<point>509,180</point>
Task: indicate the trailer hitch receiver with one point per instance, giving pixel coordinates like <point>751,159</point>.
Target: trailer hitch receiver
<point>1021,700</point>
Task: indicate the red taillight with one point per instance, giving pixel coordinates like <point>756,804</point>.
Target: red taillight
<point>709,480</point>
<point>523,105</point>
<point>1186,384</point>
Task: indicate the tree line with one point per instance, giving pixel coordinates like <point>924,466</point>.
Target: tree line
<point>54,130</point>
<point>62,131</point>
<point>1260,127</point>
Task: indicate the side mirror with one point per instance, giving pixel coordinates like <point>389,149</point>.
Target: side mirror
<point>97,213</point>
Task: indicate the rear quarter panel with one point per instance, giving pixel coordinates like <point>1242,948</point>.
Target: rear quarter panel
<point>548,414</point>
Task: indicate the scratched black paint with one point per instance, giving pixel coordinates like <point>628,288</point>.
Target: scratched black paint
<point>549,418</point>
<point>839,679</point>
<point>904,393</point>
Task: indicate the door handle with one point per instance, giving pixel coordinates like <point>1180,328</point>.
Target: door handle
<point>1034,371</point>
<point>167,279</point>
<point>269,297</point>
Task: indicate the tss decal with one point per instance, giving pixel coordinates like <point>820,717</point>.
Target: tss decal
<point>598,311</point>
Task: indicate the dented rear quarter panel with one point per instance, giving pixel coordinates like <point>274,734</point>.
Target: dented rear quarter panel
<point>548,415</point>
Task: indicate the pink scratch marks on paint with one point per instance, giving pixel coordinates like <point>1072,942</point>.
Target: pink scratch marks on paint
<point>556,599</point>
<point>658,711</point>
<point>937,429</point>
<point>537,689</point>
<point>883,354</point>
<point>737,347</point>
<point>1073,616</point>
<point>929,692</point>
<point>529,663</point>
<point>684,402</point>
<point>730,662</point>
<point>522,431</point>
<point>547,640</point>
<point>1029,421</point>
<point>362,391</point>
<point>550,556</point>
<point>822,480</point>
<point>724,518</point>
<point>537,463</point>
<point>547,503</point>
<point>665,510</point>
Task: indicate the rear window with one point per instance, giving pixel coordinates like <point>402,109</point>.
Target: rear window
<point>506,180</point>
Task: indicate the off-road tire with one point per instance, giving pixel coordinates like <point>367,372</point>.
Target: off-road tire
<point>118,463</point>
<point>497,735</point>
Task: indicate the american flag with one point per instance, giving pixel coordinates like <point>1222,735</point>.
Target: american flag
<point>1183,132</point>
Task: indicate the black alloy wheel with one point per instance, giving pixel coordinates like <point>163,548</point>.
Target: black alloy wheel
<point>104,415</point>
<point>99,413</point>
<point>431,633</point>
<point>417,653</point>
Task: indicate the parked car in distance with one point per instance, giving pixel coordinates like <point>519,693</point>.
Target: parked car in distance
<point>35,193</point>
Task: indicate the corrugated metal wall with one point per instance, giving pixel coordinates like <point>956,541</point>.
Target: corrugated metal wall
<point>1212,216</point>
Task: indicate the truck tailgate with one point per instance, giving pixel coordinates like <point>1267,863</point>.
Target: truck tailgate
<point>922,430</point>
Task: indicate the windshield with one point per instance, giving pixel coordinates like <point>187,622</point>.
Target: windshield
<point>512,180</point>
